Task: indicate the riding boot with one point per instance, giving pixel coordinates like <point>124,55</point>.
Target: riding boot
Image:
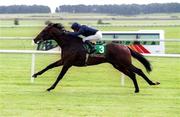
<point>91,46</point>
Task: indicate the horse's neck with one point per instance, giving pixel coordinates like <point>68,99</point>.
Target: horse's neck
<point>59,39</point>
<point>60,42</point>
<point>66,41</point>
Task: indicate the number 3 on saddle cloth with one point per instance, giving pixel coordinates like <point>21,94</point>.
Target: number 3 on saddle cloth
<point>95,49</point>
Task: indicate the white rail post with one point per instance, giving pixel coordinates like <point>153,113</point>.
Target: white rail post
<point>122,79</point>
<point>32,42</point>
<point>32,67</point>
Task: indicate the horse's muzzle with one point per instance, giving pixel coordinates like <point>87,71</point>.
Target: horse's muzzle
<point>36,41</point>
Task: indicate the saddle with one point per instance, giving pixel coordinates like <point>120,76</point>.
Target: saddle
<point>91,48</point>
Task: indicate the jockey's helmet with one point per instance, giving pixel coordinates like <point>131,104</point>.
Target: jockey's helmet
<point>75,26</point>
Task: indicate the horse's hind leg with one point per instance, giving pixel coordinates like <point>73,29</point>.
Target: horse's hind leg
<point>55,64</point>
<point>140,72</point>
<point>133,78</point>
<point>131,75</point>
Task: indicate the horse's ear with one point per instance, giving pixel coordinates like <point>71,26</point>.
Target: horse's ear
<point>50,24</point>
<point>59,25</point>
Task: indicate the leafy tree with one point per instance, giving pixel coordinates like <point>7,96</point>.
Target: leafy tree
<point>123,9</point>
<point>24,9</point>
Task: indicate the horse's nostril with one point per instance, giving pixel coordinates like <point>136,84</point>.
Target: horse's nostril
<point>35,41</point>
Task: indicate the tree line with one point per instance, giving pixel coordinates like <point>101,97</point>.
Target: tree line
<point>133,9</point>
<point>24,9</point>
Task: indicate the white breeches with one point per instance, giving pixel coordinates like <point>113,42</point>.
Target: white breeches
<point>95,37</point>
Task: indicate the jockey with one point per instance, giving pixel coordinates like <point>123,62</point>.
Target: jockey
<point>89,33</point>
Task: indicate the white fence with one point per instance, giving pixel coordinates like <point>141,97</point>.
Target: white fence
<point>34,52</point>
<point>102,25</point>
<point>161,40</point>
<point>16,38</point>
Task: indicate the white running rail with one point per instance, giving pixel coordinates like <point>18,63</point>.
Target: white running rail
<point>34,52</point>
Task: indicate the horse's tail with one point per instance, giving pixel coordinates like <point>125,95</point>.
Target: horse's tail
<point>142,59</point>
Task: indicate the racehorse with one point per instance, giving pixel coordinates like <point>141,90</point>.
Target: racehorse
<point>73,53</point>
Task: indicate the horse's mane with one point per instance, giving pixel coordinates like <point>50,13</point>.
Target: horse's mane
<point>57,25</point>
<point>63,30</point>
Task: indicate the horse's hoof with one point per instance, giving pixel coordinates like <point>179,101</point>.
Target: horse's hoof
<point>157,83</point>
<point>49,89</point>
<point>137,91</point>
<point>34,76</point>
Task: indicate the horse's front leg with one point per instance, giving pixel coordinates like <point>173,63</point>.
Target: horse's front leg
<point>55,64</point>
<point>62,73</point>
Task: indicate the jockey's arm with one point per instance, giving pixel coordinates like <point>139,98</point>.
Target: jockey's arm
<point>76,33</point>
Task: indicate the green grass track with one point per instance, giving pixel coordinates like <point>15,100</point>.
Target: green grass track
<point>88,91</point>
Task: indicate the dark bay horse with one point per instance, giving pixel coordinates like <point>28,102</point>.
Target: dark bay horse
<point>74,54</point>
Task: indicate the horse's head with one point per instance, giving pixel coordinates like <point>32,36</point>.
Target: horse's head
<point>49,31</point>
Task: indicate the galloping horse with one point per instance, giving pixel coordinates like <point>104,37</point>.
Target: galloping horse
<point>74,54</point>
